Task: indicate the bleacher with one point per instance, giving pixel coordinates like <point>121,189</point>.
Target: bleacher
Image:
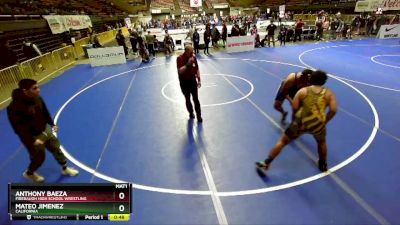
<point>60,7</point>
<point>43,38</point>
<point>298,2</point>
<point>162,4</point>
<point>208,4</point>
<point>220,2</point>
<point>185,5</point>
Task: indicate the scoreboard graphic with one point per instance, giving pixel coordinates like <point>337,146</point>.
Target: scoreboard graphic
<point>95,201</point>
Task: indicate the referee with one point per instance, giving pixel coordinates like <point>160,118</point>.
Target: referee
<point>189,80</point>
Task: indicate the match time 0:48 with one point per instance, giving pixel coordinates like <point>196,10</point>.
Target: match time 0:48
<point>118,217</point>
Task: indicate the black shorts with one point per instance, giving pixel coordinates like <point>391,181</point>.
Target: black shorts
<point>279,95</point>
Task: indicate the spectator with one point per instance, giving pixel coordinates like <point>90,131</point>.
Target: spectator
<point>30,120</point>
<point>320,30</point>
<point>150,43</point>
<point>134,41</point>
<point>271,33</point>
<point>168,43</point>
<point>282,35</point>
<point>340,27</point>
<point>156,45</point>
<point>143,52</point>
<point>207,37</point>
<point>215,36</point>
<point>121,41</point>
<point>290,34</point>
<point>235,30</point>
<point>30,50</point>
<point>370,25</point>
<point>196,41</point>
<point>333,27</point>
<point>96,42</point>
<point>254,30</point>
<point>224,33</point>
<point>298,30</point>
<point>257,43</point>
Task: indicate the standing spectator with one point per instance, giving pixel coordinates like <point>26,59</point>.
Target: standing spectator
<point>243,30</point>
<point>333,28</point>
<point>253,30</point>
<point>30,118</point>
<point>235,30</point>
<point>121,41</point>
<point>282,35</point>
<point>150,43</point>
<point>224,34</point>
<point>156,45</point>
<point>189,34</point>
<point>215,36</point>
<point>207,38</point>
<point>271,33</point>
<point>143,52</point>
<point>196,41</point>
<point>134,41</point>
<point>370,25</point>
<point>326,24</point>
<point>168,43</point>
<point>340,28</point>
<point>355,27</point>
<point>298,30</point>
<point>320,30</point>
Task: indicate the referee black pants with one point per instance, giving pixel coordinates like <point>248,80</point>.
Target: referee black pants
<point>189,88</point>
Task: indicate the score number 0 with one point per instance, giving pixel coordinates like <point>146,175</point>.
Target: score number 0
<point>121,196</point>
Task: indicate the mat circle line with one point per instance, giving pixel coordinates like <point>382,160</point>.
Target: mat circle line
<point>231,193</point>
<point>384,64</point>
<point>343,78</point>
<point>214,104</point>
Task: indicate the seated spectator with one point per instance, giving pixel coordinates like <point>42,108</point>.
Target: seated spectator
<point>96,42</point>
<point>257,42</point>
<point>67,37</point>
<point>290,34</point>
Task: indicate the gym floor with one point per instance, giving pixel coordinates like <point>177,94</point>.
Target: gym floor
<point>129,123</point>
